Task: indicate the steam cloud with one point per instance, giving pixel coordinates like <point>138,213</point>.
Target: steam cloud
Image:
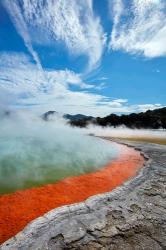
<point>124,132</point>
<point>35,152</point>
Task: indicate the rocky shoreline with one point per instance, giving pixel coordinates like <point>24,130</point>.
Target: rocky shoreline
<point>132,216</point>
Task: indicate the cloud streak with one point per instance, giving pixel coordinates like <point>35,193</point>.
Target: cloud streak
<point>21,85</point>
<point>17,18</point>
<point>139,27</point>
<point>72,23</point>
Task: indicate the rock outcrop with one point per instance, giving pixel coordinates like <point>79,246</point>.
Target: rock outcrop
<point>133,216</point>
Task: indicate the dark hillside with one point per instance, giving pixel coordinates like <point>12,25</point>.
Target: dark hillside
<point>152,119</point>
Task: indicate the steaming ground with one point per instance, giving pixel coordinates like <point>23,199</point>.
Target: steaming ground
<point>147,135</point>
<point>34,152</point>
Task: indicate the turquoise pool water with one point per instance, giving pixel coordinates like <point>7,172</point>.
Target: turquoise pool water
<point>34,156</point>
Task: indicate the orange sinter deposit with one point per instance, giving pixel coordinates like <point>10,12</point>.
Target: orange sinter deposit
<point>21,207</point>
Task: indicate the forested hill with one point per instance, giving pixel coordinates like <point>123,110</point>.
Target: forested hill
<point>153,119</point>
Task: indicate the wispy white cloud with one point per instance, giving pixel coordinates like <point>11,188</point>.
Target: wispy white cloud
<point>144,107</point>
<point>121,100</point>
<point>101,86</point>
<point>18,73</point>
<point>139,26</point>
<point>14,11</point>
<point>14,60</point>
<point>21,85</point>
<point>71,22</point>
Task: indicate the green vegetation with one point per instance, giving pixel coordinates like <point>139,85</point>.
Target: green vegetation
<point>151,119</point>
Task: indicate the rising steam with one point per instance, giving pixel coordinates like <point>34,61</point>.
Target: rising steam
<point>124,132</point>
<point>35,152</point>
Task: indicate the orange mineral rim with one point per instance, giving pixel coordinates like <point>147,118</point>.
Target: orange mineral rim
<point>19,208</point>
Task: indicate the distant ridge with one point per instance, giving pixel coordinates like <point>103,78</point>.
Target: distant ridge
<point>77,117</point>
<point>152,119</point>
<point>50,114</point>
<point>46,116</point>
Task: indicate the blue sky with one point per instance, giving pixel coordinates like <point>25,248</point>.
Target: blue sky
<point>94,56</point>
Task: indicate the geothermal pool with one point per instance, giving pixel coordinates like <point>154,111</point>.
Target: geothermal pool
<point>38,153</point>
<point>19,208</point>
<point>67,165</point>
